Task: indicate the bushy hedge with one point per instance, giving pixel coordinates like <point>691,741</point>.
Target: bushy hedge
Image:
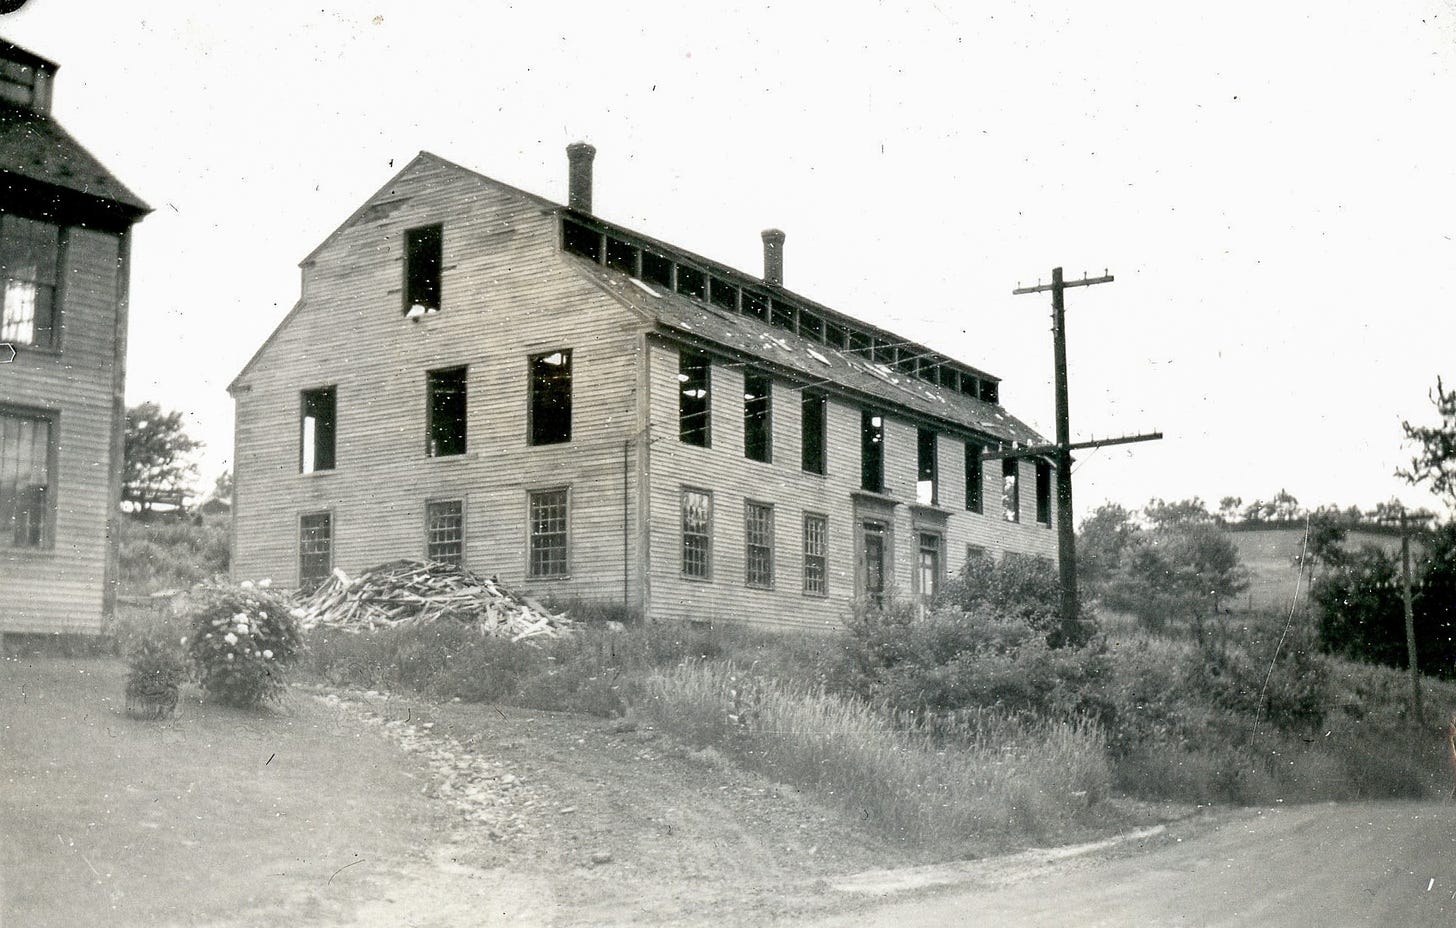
<point>242,640</point>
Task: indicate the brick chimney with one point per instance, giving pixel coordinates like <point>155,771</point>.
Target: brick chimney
<point>579,157</point>
<point>773,257</point>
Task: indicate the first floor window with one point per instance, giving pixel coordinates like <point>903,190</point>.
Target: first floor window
<point>759,537</point>
<point>697,534</point>
<point>315,548</point>
<point>29,269</point>
<point>928,565</point>
<point>548,533</point>
<point>445,531</point>
<point>874,554</point>
<point>25,479</point>
<point>816,546</point>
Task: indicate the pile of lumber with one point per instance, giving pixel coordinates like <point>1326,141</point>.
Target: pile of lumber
<point>419,592</point>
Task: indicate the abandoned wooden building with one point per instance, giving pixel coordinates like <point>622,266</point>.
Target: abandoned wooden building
<point>64,258</point>
<point>476,374</point>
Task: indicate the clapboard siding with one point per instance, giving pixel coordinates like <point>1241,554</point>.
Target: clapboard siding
<point>60,588</point>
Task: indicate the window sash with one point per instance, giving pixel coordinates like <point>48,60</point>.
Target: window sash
<point>697,534</point>
<point>30,252</point>
<point>550,408</point>
<point>816,544</point>
<point>315,547</point>
<point>548,540</point>
<point>695,399</point>
<point>445,531</point>
<point>759,544</point>
<point>25,480</point>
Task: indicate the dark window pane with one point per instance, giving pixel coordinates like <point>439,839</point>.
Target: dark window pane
<point>1011,490</point>
<point>1043,492</point>
<point>621,256</point>
<point>757,416</point>
<point>812,424</point>
<point>859,345</point>
<point>755,305</point>
<point>724,294</point>
<point>781,315</point>
<point>656,269</point>
<point>927,488</point>
<point>975,478</point>
<point>990,391</point>
<point>693,402</point>
<point>318,429</point>
<point>692,282</point>
<point>578,239</point>
<point>811,326</point>
<point>872,451</point>
<point>315,548</point>
<point>424,249</point>
<point>551,397</point>
<point>446,427</point>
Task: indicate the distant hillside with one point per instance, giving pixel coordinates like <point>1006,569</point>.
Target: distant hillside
<point>1270,552</point>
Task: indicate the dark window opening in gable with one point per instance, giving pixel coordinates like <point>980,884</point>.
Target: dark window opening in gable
<point>445,428</point>
<point>26,493</point>
<point>872,451</point>
<point>317,429</point>
<point>813,407</point>
<point>578,239</point>
<point>29,270</point>
<point>811,326</point>
<point>315,549</point>
<point>755,305</point>
<point>656,270</point>
<point>424,256</point>
<point>445,531</point>
<point>1011,490</point>
<point>1043,493</point>
<point>722,293</point>
<point>835,335</point>
<point>550,407</point>
<point>927,471</point>
<point>692,282</point>
<point>975,478</point>
<point>781,315</point>
<point>859,344</point>
<point>757,416</point>
<point>990,391</point>
<point>622,257</point>
<point>694,376</point>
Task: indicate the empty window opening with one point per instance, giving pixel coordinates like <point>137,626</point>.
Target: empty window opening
<point>835,335</point>
<point>722,293</point>
<point>873,561</point>
<point>694,420</point>
<point>697,534</point>
<point>315,548</point>
<point>816,560</point>
<point>927,482</point>
<point>811,326</point>
<point>622,256</point>
<point>550,409</point>
<point>1011,490</point>
<point>1043,493</point>
<point>813,419</point>
<point>692,282</point>
<point>906,360</point>
<point>25,480</point>
<point>757,416</point>
<point>950,377</point>
<point>319,408</point>
<point>424,256</point>
<point>929,371</point>
<point>872,451</point>
<point>990,391</point>
<point>859,343</point>
<point>548,557</point>
<point>446,426</point>
<point>975,478</point>
<point>970,386</point>
<point>781,315</point>
<point>578,239</point>
<point>445,531</point>
<point>928,565</point>
<point>17,83</point>
<point>29,269</point>
<point>755,305</point>
<point>884,352</point>
<point>758,533</point>
<point>656,269</point>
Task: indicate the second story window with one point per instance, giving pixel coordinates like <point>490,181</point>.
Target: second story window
<point>445,426</point>
<point>29,268</point>
<point>757,416</point>
<point>1043,493</point>
<point>694,381</point>
<point>423,258</point>
<point>927,481</point>
<point>872,451</point>
<point>316,426</point>
<point>550,409</point>
<point>812,423</point>
<point>1011,490</point>
<point>975,478</point>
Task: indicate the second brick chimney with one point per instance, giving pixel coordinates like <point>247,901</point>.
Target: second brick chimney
<point>773,257</point>
<point>579,157</point>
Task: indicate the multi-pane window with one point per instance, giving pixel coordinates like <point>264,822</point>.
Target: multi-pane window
<point>758,533</point>
<point>1043,493</point>
<point>975,478</point>
<point>927,481</point>
<point>816,547</point>
<point>315,548</point>
<point>1011,490</point>
<point>548,533</point>
<point>757,416</point>
<point>316,428</point>
<point>697,534</point>
<point>928,564</point>
<point>445,531</point>
<point>872,451</point>
<point>446,415</point>
<point>25,479</point>
<point>551,397</point>
<point>812,423</point>
<point>424,256</point>
<point>874,552</point>
<point>29,262</point>
<point>694,378</point>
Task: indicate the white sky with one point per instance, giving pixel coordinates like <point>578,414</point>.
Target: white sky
<point>1273,185</point>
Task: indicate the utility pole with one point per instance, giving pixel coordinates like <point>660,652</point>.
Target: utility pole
<point>1062,450</point>
<point>1406,520</point>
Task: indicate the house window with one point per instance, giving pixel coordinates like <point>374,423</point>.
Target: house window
<point>757,416</point>
<point>1010,490</point>
<point>781,315</point>
<point>872,451</point>
<point>975,478</point>
<point>446,415</point>
<point>692,282</point>
<point>29,262</point>
<point>1043,493</point>
<point>621,257</point>
<point>697,534</point>
<point>758,534</point>
<point>816,546</point>
<point>656,269</point>
<point>813,407</point>
<point>975,553</point>
<point>445,531</point>
<point>424,249</point>
<point>25,479</point>
<point>874,555</point>
<point>722,293</point>
<point>694,383</point>
<point>754,304</point>
<point>927,479</point>
<point>578,239</point>
<point>990,392</point>
<point>315,548</point>
<point>550,410</point>
<point>548,533</point>
<point>316,424</point>
<point>927,571</point>
<point>17,83</point>
<point>811,326</point>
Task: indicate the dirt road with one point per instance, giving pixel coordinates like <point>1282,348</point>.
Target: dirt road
<point>1327,866</point>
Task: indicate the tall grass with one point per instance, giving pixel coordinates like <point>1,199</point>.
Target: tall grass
<point>172,553</point>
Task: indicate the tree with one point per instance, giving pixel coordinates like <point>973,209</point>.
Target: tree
<point>1230,509</point>
<point>1435,459</point>
<point>1162,514</point>
<point>1104,537</point>
<point>155,468</point>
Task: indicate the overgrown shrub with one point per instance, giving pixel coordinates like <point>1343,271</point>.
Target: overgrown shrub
<point>167,553</point>
<point>156,669</point>
<point>1025,588</point>
<point>242,640</point>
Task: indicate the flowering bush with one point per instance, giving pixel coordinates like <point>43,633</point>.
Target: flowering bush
<point>243,638</point>
<point>156,668</point>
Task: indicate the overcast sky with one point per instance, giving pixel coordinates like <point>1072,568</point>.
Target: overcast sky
<point>1273,185</point>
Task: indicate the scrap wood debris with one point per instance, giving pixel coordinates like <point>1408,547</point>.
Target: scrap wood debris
<point>419,593</point>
